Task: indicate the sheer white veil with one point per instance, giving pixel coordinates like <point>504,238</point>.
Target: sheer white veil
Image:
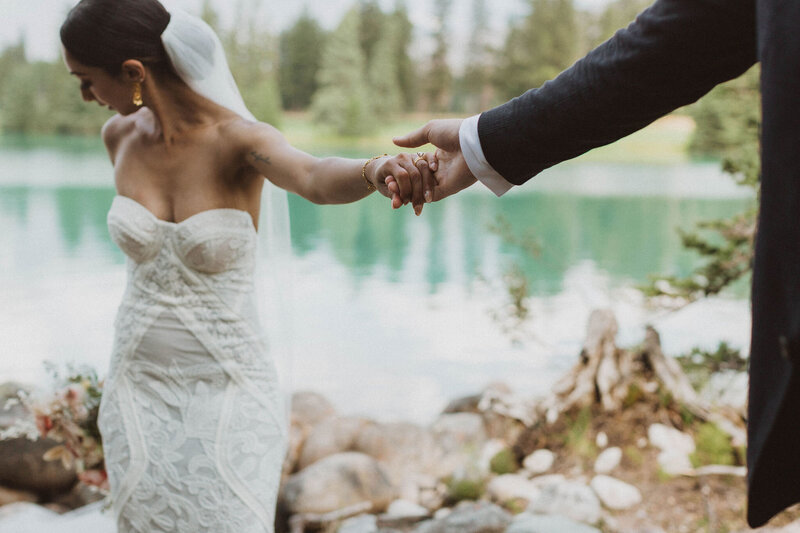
<point>198,57</point>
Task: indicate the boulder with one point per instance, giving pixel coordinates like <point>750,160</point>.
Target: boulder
<point>615,494</point>
<point>536,523</point>
<point>10,413</point>
<point>23,468</point>
<point>470,517</point>
<point>539,462</point>
<point>460,437</point>
<point>512,487</point>
<point>608,460</point>
<point>330,436</point>
<point>335,482</point>
<point>567,498</point>
<point>405,450</point>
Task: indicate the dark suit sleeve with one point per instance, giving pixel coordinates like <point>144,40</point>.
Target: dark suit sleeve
<point>671,55</point>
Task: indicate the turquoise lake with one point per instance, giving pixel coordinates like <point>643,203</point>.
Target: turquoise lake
<point>394,315</point>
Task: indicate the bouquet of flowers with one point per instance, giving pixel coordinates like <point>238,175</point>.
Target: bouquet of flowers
<point>68,416</point>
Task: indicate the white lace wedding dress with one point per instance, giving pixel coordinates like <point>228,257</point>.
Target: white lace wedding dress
<point>192,417</point>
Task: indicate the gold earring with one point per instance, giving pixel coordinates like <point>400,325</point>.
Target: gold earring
<point>137,94</point>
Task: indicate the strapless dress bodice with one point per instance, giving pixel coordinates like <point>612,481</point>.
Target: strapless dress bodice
<point>211,241</point>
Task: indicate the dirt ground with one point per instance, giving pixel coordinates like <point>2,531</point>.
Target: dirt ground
<point>707,504</point>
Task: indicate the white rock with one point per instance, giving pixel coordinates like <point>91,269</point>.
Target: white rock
<point>470,517</point>
<point>601,440</point>
<point>641,442</point>
<point>615,494</point>
<point>365,523</point>
<point>674,463</point>
<point>570,499</point>
<point>404,509</point>
<point>727,388</point>
<point>608,460</point>
<point>539,461</point>
<point>511,487</point>
<point>670,439</point>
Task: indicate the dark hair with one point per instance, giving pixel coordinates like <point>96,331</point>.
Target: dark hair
<point>105,33</point>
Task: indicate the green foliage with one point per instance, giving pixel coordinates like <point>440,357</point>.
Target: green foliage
<point>406,72</point>
<point>713,447</point>
<point>699,364</point>
<point>387,100</point>
<point>477,75</point>
<point>728,121</point>
<point>539,48</point>
<point>465,489</point>
<point>617,15</point>
<point>577,438</point>
<point>504,462</point>
<point>253,58</point>
<point>439,78</point>
<point>300,53</point>
<point>342,102</point>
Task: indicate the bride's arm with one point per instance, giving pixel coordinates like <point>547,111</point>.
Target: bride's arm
<point>330,180</point>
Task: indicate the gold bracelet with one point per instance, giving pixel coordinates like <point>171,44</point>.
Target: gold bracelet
<point>370,186</point>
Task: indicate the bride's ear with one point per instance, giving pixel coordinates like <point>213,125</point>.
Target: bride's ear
<point>133,70</point>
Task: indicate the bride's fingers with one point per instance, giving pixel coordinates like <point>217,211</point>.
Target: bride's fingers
<point>428,178</point>
<point>394,190</point>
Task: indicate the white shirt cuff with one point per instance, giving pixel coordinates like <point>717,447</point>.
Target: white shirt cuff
<point>476,161</point>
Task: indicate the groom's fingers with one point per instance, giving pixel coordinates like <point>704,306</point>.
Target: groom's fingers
<point>415,138</point>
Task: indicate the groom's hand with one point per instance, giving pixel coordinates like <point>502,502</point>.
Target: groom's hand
<point>452,172</point>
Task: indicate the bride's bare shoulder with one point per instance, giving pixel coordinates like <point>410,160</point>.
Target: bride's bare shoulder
<point>114,130</point>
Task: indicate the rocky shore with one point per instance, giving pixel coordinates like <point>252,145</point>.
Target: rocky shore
<point>638,451</point>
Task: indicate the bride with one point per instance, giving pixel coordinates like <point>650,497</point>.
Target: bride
<point>192,419</point>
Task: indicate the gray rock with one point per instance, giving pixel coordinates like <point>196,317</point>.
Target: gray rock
<point>470,517</point>
<point>535,523</point>
<point>310,408</point>
<point>608,460</point>
<point>8,391</point>
<point>328,437</point>
<point>335,482</point>
<point>539,461</point>
<point>23,468</point>
<point>365,523</point>
<point>615,494</point>
<point>570,499</point>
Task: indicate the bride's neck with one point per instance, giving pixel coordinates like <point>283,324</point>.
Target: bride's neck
<point>178,110</point>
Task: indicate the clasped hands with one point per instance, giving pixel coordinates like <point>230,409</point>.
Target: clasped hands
<point>427,176</point>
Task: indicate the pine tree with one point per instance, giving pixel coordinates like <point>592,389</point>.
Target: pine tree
<point>387,99</point>
<point>300,53</point>
<point>538,49</point>
<point>341,101</point>
<point>439,78</point>
<point>476,75</point>
<point>373,22</point>
<point>406,74</point>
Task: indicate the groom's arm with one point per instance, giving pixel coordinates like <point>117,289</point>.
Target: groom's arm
<point>671,55</point>
<point>674,53</point>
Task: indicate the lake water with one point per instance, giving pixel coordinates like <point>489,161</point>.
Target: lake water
<point>395,314</point>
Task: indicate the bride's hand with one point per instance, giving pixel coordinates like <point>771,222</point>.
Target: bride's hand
<point>410,178</point>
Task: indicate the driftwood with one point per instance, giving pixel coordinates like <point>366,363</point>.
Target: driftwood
<point>605,374</point>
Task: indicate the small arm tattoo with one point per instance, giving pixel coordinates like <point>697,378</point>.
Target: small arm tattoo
<point>260,158</point>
